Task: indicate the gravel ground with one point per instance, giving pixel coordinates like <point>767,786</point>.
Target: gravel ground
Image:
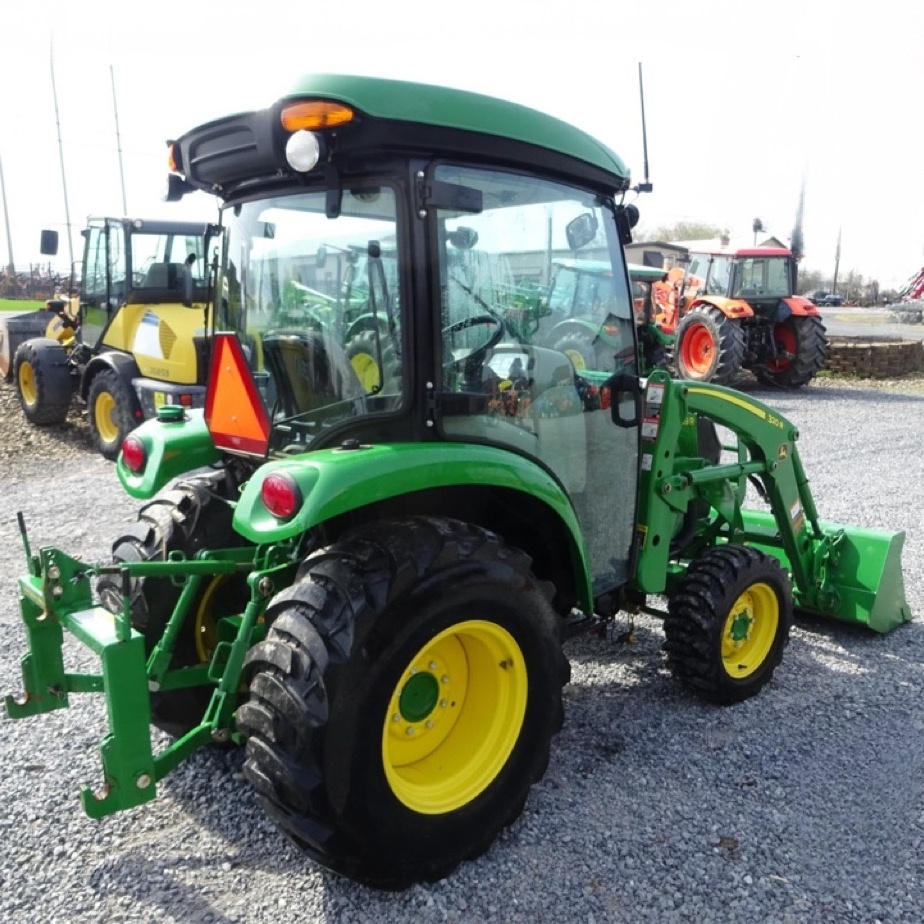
<point>805,804</point>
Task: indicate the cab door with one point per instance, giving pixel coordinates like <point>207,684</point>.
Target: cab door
<point>495,267</point>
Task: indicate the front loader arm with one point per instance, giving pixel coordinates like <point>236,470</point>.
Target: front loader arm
<point>838,571</point>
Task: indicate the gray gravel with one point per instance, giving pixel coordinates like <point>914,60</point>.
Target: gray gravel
<point>805,804</point>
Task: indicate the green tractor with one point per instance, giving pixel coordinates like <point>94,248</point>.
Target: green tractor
<point>369,589</point>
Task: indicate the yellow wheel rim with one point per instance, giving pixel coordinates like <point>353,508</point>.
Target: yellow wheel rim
<point>206,627</point>
<point>367,371</point>
<point>750,630</point>
<point>454,717</point>
<point>27,386</point>
<point>577,359</point>
<point>104,417</point>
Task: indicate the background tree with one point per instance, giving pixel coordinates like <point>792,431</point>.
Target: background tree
<point>681,231</point>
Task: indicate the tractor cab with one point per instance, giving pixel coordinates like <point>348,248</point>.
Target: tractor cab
<point>371,310</point>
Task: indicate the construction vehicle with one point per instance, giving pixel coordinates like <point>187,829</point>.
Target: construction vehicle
<point>733,309</point>
<point>371,591</point>
<point>138,339</point>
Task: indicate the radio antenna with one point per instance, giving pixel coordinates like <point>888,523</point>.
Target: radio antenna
<point>645,185</point>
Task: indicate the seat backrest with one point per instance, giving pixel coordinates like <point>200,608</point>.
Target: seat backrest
<point>163,276</point>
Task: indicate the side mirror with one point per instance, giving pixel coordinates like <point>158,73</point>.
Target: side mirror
<point>626,219</point>
<point>49,243</point>
<point>581,231</point>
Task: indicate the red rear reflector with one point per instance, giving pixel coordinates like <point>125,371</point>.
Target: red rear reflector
<point>281,495</point>
<point>234,412</point>
<point>134,454</point>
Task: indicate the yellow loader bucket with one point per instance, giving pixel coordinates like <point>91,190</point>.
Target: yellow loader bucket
<point>848,572</point>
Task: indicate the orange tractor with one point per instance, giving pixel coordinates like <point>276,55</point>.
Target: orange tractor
<point>730,310</point>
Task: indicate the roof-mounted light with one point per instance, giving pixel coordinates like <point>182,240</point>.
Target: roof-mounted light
<point>303,151</point>
<point>314,114</point>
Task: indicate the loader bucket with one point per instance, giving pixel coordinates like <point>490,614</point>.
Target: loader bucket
<point>854,573</point>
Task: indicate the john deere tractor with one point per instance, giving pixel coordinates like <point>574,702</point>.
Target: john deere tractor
<point>138,338</point>
<point>369,588</point>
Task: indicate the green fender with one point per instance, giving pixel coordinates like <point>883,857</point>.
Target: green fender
<point>333,482</point>
<point>174,444</point>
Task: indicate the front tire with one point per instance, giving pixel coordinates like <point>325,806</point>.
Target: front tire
<point>709,347</point>
<point>43,380</point>
<point>728,623</point>
<point>404,699</point>
<point>110,414</point>
<point>802,349</point>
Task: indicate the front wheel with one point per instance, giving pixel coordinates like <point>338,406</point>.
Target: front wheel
<point>404,699</point>
<point>801,351</point>
<point>728,623</point>
<point>709,347</point>
<point>110,412</point>
<point>43,380</point>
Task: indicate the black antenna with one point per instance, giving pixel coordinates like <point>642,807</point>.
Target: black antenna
<point>644,186</point>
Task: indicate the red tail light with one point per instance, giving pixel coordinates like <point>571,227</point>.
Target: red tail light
<point>134,454</point>
<point>281,495</point>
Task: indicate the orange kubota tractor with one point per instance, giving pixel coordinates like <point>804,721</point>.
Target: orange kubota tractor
<point>730,310</point>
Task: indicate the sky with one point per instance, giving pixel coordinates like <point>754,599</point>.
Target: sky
<point>744,102</point>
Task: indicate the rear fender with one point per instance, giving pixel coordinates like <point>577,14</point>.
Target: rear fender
<point>122,364</point>
<point>734,308</point>
<point>800,307</point>
<point>172,447</point>
<point>334,482</point>
<point>577,327</point>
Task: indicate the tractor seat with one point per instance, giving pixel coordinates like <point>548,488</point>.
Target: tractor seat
<point>164,276</point>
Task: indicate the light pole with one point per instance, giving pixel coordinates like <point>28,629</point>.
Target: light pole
<point>6,222</point>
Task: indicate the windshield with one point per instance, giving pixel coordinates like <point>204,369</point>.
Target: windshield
<point>762,277</point>
<point>315,301</point>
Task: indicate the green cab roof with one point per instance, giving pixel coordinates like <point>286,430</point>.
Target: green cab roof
<point>459,109</point>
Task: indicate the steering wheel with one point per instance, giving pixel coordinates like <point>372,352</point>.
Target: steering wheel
<point>472,360</point>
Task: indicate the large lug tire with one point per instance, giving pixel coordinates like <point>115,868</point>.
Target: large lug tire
<point>802,350</point>
<point>110,412</point>
<point>362,351</point>
<point>579,350</point>
<point>728,623</point>
<point>404,699</point>
<point>43,380</point>
<point>709,347</point>
<point>186,517</point>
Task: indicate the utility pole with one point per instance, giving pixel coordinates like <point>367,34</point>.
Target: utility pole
<point>115,110</point>
<point>67,213</point>
<point>6,222</point>
<point>837,262</point>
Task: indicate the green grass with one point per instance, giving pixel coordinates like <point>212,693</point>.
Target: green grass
<point>20,304</point>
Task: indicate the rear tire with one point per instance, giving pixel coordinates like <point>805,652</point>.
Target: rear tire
<point>709,347</point>
<point>803,349</point>
<point>110,412</point>
<point>579,350</point>
<point>43,380</point>
<point>404,699</point>
<point>728,623</point>
<point>188,516</point>
<point>363,353</point>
